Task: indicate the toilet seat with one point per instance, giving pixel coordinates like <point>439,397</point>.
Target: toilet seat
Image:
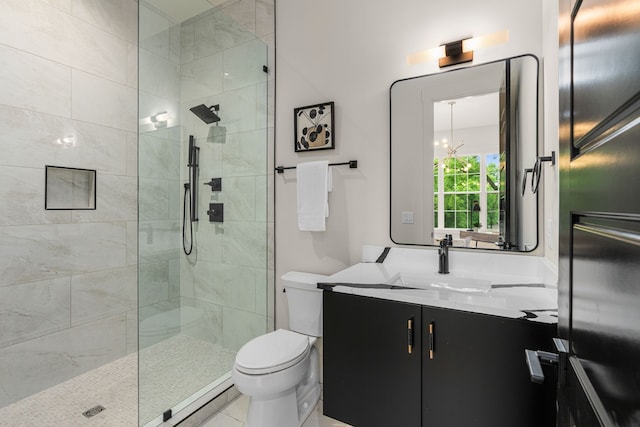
<point>272,352</point>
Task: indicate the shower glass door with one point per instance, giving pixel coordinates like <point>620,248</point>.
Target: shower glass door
<point>203,283</point>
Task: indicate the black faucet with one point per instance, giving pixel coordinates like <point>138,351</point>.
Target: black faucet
<point>443,254</point>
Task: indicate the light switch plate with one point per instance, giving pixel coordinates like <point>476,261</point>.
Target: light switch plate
<point>407,217</point>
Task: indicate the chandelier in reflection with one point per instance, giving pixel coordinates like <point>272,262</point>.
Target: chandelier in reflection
<point>452,150</point>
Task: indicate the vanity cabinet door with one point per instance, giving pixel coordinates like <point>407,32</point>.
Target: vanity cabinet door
<point>371,376</point>
<point>474,371</point>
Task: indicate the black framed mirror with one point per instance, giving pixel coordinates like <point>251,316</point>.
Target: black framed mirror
<point>460,143</point>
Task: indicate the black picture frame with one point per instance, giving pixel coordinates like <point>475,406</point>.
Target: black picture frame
<point>313,127</point>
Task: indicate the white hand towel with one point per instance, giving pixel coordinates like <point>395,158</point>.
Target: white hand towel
<point>313,201</point>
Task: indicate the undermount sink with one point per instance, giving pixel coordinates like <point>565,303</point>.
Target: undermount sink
<point>446,282</point>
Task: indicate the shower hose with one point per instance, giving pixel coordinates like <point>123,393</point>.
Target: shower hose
<point>185,218</point>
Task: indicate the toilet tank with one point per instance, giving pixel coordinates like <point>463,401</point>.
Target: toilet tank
<point>305,302</point>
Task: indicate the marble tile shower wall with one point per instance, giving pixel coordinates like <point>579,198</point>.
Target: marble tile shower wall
<point>222,57</point>
<point>160,189</point>
<point>68,293</point>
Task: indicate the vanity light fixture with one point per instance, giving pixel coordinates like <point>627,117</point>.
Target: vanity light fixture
<point>459,51</point>
<point>454,54</point>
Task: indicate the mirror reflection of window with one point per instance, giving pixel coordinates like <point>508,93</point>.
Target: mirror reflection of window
<point>466,170</point>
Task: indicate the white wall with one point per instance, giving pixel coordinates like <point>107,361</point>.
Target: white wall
<point>350,52</point>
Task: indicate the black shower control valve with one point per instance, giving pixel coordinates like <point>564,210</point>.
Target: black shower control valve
<point>215,183</point>
<point>216,212</point>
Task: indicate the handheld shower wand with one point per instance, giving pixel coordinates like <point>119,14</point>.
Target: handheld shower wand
<point>190,201</point>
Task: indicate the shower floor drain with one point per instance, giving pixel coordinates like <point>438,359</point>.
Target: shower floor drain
<point>93,411</point>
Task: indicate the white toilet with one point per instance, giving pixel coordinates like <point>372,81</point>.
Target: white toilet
<point>280,371</point>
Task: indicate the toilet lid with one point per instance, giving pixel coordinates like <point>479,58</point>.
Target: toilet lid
<point>272,352</point>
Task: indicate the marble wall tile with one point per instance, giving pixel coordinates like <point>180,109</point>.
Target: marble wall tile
<point>245,154</point>
<point>159,240</point>
<point>264,114</point>
<point>30,310</point>
<point>187,41</point>
<point>29,140</point>
<point>226,285</point>
<point>187,279</point>
<point>262,188</point>
<point>64,5</point>
<point>153,198</point>
<point>238,327</point>
<point>22,193</point>
<point>117,200</point>
<point>174,44</point>
<point>244,243</point>
<point>243,65</point>
<point>239,198</point>
<point>207,240</point>
<point>35,365</point>
<point>112,16</point>
<point>202,76</point>
<point>265,17</point>
<point>39,28</point>
<point>158,322</point>
<point>161,77</point>
<point>216,32</point>
<point>243,14</point>
<point>132,242</point>
<point>154,31</point>
<point>159,158</point>
<point>208,327</point>
<point>103,102</point>
<point>132,65</point>
<point>132,154</point>
<point>153,283</point>
<point>174,278</point>
<point>210,158</point>
<point>132,331</point>
<point>238,109</point>
<point>150,104</point>
<point>103,293</point>
<point>34,83</point>
<point>38,252</point>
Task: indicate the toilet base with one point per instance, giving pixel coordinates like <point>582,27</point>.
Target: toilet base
<point>308,404</point>
<point>276,411</point>
<point>284,410</point>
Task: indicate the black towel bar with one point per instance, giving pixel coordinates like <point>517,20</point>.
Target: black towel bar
<point>353,164</point>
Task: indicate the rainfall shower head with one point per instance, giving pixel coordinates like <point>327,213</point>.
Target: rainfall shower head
<point>206,114</point>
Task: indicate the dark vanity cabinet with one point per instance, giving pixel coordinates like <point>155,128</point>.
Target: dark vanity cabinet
<point>464,369</point>
<point>371,375</point>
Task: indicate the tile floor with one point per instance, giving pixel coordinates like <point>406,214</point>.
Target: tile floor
<point>170,371</point>
<point>234,415</point>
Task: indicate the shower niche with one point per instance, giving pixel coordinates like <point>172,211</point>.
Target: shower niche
<point>69,188</point>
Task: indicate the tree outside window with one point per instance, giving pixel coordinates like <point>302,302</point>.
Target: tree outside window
<point>461,191</point>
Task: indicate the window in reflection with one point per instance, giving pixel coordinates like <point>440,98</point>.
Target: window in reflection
<point>462,201</point>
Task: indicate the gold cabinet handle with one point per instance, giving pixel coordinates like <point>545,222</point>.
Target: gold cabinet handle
<point>410,336</point>
<point>431,340</point>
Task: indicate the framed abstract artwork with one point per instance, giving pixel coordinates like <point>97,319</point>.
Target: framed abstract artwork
<point>313,127</point>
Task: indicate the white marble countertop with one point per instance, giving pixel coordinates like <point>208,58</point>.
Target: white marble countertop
<point>506,295</point>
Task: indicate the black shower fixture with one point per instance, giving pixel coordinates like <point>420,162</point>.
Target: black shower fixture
<point>206,114</point>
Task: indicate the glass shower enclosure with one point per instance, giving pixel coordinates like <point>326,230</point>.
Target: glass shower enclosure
<point>202,199</point>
